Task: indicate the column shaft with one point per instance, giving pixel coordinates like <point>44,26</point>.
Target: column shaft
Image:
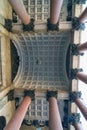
<point>19,8</point>
<point>82,47</point>
<point>82,77</point>
<point>78,126</point>
<point>82,107</point>
<point>83,16</point>
<point>54,116</point>
<point>16,121</point>
<point>55,8</point>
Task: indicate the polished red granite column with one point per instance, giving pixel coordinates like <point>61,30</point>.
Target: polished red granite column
<point>81,105</point>
<point>17,119</point>
<point>55,8</point>
<point>82,47</point>
<point>54,115</point>
<point>82,77</point>
<point>78,126</point>
<point>19,8</point>
<point>83,16</point>
<point>76,98</point>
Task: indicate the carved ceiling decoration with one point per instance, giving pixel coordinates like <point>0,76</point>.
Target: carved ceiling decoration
<point>42,60</point>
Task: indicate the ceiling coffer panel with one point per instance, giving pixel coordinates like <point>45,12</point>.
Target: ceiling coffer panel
<point>42,61</point>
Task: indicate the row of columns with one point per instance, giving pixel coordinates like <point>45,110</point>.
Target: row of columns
<point>55,8</point>
<point>76,73</point>
<point>79,48</point>
<point>78,23</point>
<point>76,98</point>
<point>54,115</point>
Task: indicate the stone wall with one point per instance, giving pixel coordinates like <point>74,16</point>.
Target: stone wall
<point>6,107</point>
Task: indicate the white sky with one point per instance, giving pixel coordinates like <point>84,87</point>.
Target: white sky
<point>83,65</point>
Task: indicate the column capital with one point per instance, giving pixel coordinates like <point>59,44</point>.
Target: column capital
<point>76,25</point>
<point>51,94</point>
<point>75,95</point>
<point>74,72</point>
<point>27,122</point>
<point>74,50</point>
<point>52,27</point>
<point>29,27</point>
<point>30,93</point>
<point>80,1</point>
<point>74,118</point>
